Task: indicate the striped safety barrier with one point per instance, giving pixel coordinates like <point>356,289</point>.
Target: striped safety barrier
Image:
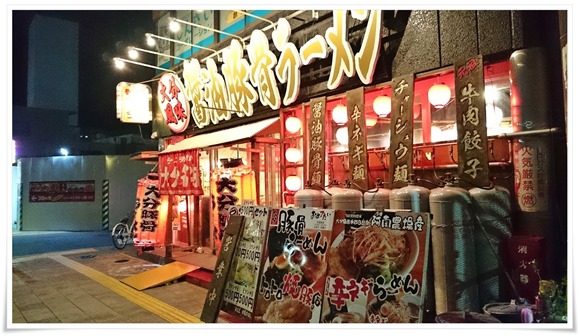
<point>105,204</point>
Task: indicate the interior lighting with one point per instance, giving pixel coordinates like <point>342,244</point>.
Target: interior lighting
<point>293,125</point>
<point>491,94</point>
<point>342,136</point>
<point>182,206</point>
<point>371,119</point>
<point>293,183</point>
<point>293,155</point>
<point>382,106</point>
<point>439,95</point>
<point>339,114</point>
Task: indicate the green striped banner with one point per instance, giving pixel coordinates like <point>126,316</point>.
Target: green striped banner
<point>105,204</point>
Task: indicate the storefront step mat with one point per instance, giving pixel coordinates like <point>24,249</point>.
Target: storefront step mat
<point>158,276</point>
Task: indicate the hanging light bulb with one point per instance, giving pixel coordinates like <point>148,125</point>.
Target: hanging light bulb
<point>371,119</point>
<point>382,106</point>
<point>293,183</point>
<point>439,95</point>
<point>339,114</point>
<point>293,155</point>
<point>342,136</point>
<point>293,125</point>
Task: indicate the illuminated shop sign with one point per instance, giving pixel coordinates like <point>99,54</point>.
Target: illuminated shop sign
<point>134,103</point>
<point>214,96</point>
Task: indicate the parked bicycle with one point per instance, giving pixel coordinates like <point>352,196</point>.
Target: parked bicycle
<point>122,232</point>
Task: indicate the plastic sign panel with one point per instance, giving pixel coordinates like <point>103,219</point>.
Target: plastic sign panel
<point>173,102</point>
<point>134,103</point>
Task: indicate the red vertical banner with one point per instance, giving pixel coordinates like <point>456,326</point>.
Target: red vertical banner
<point>150,214</point>
<point>179,173</point>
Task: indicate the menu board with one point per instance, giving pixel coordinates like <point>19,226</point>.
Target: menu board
<point>401,150</point>
<point>471,122</point>
<point>376,267</point>
<point>357,139</point>
<point>317,150</point>
<point>292,281</point>
<point>242,284</point>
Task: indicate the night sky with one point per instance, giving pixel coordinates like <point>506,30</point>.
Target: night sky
<point>102,35</point>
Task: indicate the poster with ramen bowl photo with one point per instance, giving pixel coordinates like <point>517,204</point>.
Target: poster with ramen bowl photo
<point>294,270</point>
<point>376,267</point>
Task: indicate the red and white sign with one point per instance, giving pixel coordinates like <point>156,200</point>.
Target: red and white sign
<point>173,102</point>
<point>62,191</point>
<point>179,173</point>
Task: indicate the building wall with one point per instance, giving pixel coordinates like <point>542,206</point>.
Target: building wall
<point>120,171</point>
<point>53,77</point>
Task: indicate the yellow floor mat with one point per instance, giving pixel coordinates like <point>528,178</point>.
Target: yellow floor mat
<point>158,276</point>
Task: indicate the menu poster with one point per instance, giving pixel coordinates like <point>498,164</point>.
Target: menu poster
<point>376,267</point>
<point>292,281</point>
<point>242,284</point>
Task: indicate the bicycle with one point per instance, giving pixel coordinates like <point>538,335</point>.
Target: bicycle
<point>123,232</point>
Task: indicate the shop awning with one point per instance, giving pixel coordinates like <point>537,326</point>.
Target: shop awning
<point>221,137</point>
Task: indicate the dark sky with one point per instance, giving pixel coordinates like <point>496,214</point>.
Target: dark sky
<point>102,36</point>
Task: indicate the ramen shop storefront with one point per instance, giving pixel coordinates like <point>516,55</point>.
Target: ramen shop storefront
<point>227,167</point>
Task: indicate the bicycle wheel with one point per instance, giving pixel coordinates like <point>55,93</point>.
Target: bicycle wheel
<point>120,235</point>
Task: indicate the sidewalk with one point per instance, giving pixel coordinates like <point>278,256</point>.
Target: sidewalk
<point>82,286</point>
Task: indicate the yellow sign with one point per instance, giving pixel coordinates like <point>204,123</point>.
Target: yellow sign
<point>214,96</point>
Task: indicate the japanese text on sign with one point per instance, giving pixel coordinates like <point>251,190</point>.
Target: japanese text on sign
<point>471,126</point>
<point>401,159</point>
<point>215,96</point>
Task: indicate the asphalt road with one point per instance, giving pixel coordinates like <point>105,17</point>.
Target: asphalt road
<point>34,242</point>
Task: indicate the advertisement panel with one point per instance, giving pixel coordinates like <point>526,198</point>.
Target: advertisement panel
<point>62,191</point>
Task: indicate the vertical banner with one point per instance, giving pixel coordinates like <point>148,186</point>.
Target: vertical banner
<point>292,280</point>
<point>151,213</point>
<point>531,177</point>
<point>229,186</point>
<point>317,142</point>
<point>357,139</point>
<point>215,292</point>
<point>376,267</point>
<point>471,121</point>
<point>242,285</point>
<point>401,150</point>
<point>179,173</point>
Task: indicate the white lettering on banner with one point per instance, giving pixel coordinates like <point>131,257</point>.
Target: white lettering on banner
<point>179,173</point>
<point>214,96</point>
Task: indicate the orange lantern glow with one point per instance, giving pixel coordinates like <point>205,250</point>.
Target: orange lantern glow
<point>371,119</point>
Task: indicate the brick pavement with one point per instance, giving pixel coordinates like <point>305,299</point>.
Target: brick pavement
<point>83,287</point>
